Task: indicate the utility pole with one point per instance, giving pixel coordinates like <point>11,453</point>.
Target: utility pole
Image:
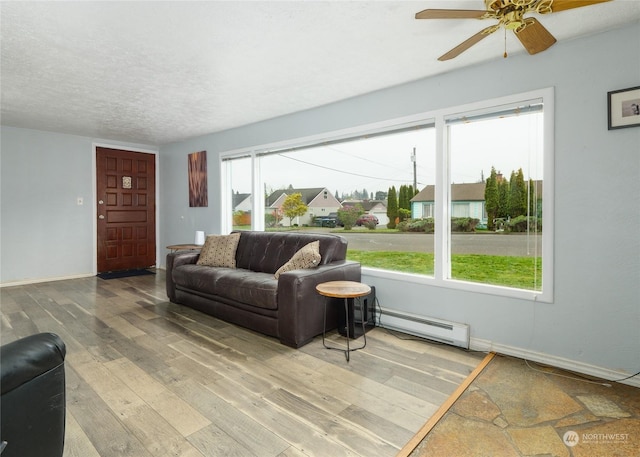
<point>415,176</point>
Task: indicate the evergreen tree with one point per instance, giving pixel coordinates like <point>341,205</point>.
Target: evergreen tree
<point>401,196</point>
<point>392,207</point>
<point>517,195</point>
<point>503,195</point>
<point>535,200</point>
<point>406,204</point>
<point>412,193</point>
<point>492,199</point>
<point>380,195</point>
<point>512,194</point>
<point>533,206</point>
<point>404,197</point>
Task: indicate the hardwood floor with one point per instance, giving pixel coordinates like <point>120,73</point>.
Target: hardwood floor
<point>146,377</point>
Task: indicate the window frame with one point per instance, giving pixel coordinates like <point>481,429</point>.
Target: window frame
<point>442,203</point>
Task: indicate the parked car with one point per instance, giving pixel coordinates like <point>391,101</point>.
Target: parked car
<point>325,222</point>
<point>334,217</point>
<point>366,219</point>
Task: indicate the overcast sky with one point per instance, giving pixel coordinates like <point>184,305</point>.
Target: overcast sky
<point>375,164</point>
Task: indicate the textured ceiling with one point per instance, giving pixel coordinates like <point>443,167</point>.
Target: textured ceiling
<point>158,72</point>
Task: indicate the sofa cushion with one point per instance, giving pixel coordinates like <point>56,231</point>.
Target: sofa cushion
<point>307,257</point>
<point>219,251</point>
<point>244,286</point>
<point>198,277</point>
<point>268,251</point>
<point>250,287</point>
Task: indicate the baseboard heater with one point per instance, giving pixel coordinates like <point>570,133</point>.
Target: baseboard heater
<point>439,330</point>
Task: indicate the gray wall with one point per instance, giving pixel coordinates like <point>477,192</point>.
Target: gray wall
<point>44,234</point>
<point>596,314</point>
<point>181,222</point>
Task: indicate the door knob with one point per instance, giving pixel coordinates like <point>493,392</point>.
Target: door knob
<point>100,202</point>
<point>101,217</point>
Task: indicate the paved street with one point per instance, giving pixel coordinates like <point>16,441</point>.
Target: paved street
<point>514,244</point>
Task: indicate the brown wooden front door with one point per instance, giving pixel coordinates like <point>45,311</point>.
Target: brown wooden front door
<point>126,194</point>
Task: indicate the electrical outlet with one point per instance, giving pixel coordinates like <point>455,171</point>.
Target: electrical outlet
<point>80,201</point>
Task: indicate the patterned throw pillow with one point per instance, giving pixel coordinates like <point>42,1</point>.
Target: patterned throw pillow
<point>219,251</point>
<point>307,257</point>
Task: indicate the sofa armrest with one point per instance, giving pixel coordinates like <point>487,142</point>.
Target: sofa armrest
<point>175,259</point>
<point>33,410</point>
<point>28,358</point>
<point>301,308</point>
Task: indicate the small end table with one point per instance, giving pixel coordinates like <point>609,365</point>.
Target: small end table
<point>348,290</point>
<point>184,247</point>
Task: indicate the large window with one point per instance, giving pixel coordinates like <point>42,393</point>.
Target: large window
<point>459,195</point>
<point>238,204</point>
<point>496,180</point>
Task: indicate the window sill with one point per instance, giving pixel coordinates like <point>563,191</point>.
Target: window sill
<point>463,286</point>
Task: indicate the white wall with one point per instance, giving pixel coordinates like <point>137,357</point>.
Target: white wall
<point>44,234</point>
<point>595,318</point>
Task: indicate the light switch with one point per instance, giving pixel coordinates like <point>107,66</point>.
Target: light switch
<point>80,201</point>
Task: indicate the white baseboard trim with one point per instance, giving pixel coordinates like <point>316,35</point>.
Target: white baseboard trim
<point>478,344</point>
<point>25,282</point>
<point>39,280</point>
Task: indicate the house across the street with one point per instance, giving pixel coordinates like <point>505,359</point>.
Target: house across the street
<point>467,200</point>
<point>377,208</point>
<point>319,200</point>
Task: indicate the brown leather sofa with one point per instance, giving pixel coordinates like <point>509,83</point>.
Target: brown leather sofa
<point>288,308</point>
<point>33,396</point>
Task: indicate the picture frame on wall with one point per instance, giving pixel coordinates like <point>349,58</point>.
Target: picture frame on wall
<point>624,108</point>
<point>197,167</point>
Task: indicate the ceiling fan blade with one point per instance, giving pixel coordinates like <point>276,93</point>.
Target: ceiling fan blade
<point>455,52</point>
<point>450,14</point>
<point>562,5</point>
<point>535,37</point>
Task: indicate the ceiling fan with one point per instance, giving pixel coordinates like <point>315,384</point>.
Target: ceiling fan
<point>510,14</point>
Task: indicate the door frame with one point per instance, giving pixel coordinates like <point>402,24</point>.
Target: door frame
<point>94,192</point>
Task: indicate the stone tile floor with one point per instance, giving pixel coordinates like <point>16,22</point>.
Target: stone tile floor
<point>514,410</point>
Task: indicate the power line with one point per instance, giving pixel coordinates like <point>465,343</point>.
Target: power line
<point>365,159</point>
<point>386,178</point>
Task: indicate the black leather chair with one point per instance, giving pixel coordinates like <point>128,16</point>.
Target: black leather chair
<point>32,406</point>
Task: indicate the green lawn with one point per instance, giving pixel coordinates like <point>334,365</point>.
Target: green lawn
<point>519,272</point>
<point>508,271</point>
